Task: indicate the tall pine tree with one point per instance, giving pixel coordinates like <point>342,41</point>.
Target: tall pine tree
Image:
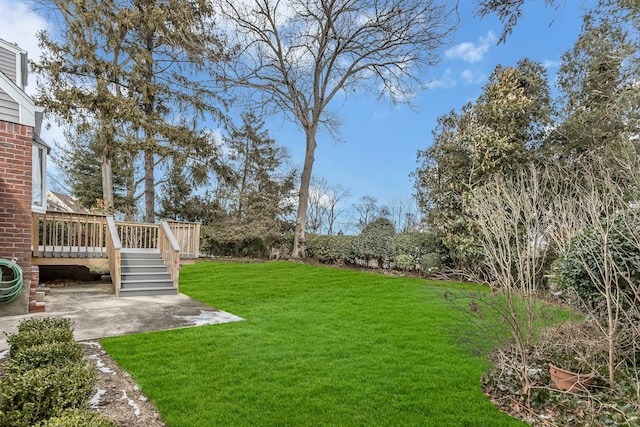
<point>133,66</point>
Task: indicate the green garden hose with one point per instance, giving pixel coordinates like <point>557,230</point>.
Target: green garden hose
<point>10,290</point>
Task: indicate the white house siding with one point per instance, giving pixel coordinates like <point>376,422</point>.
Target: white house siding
<point>8,63</point>
<point>9,108</point>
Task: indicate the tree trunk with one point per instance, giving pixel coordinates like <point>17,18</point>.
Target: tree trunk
<point>130,209</point>
<point>149,188</point>
<point>107,184</point>
<point>149,127</point>
<point>105,136</point>
<point>303,197</point>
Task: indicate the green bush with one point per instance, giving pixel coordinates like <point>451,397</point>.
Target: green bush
<point>329,249</point>
<point>45,323</point>
<point>429,263</point>
<point>36,395</point>
<point>254,247</point>
<point>375,241</point>
<point>405,262</point>
<point>414,244</point>
<point>33,332</point>
<point>42,355</point>
<point>78,418</point>
<point>585,253</point>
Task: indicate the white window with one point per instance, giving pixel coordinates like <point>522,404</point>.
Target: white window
<point>38,175</point>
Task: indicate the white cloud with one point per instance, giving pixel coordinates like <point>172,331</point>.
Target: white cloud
<point>444,82</point>
<point>472,52</point>
<point>548,63</point>
<point>470,77</point>
<point>19,25</point>
<point>467,76</point>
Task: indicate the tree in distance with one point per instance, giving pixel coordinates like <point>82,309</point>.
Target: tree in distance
<point>295,57</point>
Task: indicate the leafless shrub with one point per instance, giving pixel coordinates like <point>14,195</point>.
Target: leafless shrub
<point>525,220</point>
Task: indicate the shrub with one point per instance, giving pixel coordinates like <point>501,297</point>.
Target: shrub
<point>585,255</point>
<point>375,241</point>
<point>329,249</point>
<point>429,263</point>
<point>414,244</point>
<point>44,323</point>
<point>32,332</point>
<point>42,355</point>
<point>36,395</point>
<point>78,418</point>
<point>405,262</point>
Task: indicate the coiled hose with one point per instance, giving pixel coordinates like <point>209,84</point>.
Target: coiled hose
<point>10,290</point>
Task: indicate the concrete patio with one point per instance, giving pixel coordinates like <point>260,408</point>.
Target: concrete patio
<point>97,313</point>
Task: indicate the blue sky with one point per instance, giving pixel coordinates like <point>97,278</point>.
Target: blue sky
<point>378,141</point>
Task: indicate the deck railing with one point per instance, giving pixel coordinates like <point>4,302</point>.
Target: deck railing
<point>70,235</point>
<point>114,246</point>
<point>169,251</point>
<point>58,234</point>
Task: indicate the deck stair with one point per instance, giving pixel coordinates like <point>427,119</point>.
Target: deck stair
<point>144,273</point>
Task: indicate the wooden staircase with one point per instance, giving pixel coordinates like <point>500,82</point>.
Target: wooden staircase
<point>144,273</point>
<point>143,259</point>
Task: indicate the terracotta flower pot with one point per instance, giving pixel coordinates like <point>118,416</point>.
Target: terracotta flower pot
<point>570,381</point>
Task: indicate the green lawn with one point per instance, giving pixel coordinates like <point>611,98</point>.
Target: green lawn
<point>320,346</point>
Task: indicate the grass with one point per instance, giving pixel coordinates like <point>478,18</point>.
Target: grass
<point>320,346</point>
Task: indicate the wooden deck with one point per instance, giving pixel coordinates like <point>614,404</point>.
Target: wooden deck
<point>75,255</point>
<point>98,240</point>
<point>81,239</point>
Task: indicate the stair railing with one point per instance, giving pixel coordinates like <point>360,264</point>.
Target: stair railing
<point>187,235</point>
<point>113,253</point>
<point>170,252</point>
<point>134,235</point>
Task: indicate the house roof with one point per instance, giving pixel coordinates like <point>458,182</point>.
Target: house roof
<point>12,47</point>
<point>58,202</point>
<point>38,140</point>
<point>21,62</point>
<point>30,113</point>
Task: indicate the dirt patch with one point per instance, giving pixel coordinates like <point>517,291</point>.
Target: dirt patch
<point>117,395</point>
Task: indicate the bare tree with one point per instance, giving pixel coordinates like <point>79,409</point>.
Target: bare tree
<point>335,194</point>
<point>323,210</point>
<point>317,207</point>
<point>403,212</point>
<point>508,11</point>
<point>296,56</point>
<point>509,212</point>
<point>367,210</point>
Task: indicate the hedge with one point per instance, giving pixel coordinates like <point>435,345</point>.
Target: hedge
<point>46,374</point>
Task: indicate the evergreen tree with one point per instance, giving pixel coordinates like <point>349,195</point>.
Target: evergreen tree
<point>499,133</point>
<point>257,187</point>
<point>83,174</point>
<point>132,66</point>
<point>599,91</point>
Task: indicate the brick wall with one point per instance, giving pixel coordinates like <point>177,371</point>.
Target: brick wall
<point>15,205</point>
